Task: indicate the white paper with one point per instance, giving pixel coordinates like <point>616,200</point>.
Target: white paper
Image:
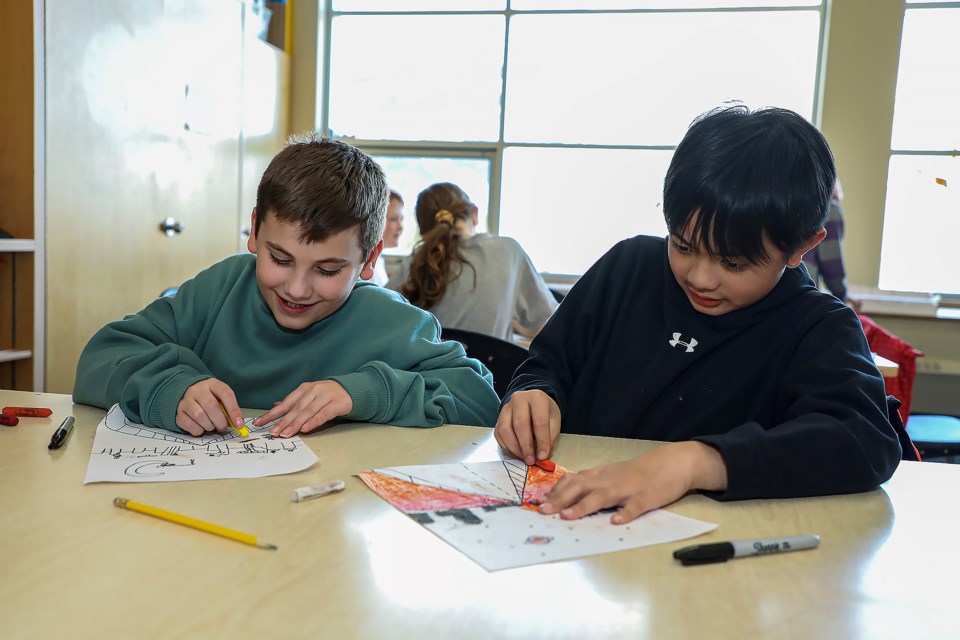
<point>124,451</point>
<point>516,537</point>
<point>480,512</point>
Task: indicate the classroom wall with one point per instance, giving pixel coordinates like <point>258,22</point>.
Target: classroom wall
<point>305,64</point>
<point>860,79</point>
<point>859,84</point>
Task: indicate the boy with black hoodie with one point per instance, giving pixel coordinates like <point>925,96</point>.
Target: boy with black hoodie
<point>714,339</point>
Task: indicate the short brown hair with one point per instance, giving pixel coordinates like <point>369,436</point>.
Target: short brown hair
<point>325,186</point>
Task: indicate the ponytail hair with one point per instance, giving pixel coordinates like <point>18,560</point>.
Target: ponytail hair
<point>439,207</point>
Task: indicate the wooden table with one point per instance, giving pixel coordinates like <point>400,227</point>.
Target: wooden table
<point>351,566</point>
<point>888,368</point>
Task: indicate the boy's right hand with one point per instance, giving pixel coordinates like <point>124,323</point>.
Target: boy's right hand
<point>528,425</point>
<point>199,410</point>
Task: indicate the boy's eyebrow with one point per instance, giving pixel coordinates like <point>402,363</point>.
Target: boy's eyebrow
<point>336,260</point>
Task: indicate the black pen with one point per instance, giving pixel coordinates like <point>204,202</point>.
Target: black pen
<point>723,551</point>
<point>61,433</point>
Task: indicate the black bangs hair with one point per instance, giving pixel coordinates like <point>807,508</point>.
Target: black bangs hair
<point>745,176</point>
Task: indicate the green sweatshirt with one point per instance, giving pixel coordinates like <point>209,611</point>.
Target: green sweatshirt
<point>384,351</point>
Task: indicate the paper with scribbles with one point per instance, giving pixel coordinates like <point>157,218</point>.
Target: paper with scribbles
<point>486,511</point>
<point>124,451</point>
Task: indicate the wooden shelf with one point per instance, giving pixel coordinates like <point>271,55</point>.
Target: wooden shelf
<point>10,355</point>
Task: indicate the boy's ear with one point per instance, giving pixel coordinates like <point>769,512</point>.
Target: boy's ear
<point>810,243</point>
<point>252,238</point>
<point>367,271</point>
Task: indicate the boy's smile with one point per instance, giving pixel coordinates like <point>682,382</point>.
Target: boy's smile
<point>716,285</point>
<point>303,283</point>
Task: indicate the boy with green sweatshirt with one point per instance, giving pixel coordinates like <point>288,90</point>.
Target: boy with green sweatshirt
<point>296,329</point>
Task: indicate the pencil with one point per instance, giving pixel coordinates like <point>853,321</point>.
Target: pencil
<point>169,516</point>
<point>243,432</point>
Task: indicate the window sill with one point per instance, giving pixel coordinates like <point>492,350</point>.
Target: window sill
<point>899,303</point>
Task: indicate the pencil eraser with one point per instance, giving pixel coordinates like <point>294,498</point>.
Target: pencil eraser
<point>547,465</point>
<point>317,490</point>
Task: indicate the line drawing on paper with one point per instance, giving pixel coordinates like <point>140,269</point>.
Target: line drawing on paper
<point>124,451</point>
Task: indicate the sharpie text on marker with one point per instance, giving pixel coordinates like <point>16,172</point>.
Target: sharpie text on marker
<point>723,551</point>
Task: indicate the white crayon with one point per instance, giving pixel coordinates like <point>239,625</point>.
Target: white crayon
<point>317,490</point>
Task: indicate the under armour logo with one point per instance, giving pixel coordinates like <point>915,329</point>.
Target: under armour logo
<point>689,345</point>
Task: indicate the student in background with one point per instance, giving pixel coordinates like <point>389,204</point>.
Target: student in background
<point>391,236</point>
<point>294,329</point>
<point>825,261</point>
<point>712,340</point>
<point>469,280</point>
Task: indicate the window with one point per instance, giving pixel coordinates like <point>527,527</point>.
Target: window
<point>921,222</point>
<point>558,118</point>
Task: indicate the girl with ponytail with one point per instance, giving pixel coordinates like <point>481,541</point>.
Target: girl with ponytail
<point>468,280</point>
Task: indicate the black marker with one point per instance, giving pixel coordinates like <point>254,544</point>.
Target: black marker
<point>61,433</point>
<point>723,551</point>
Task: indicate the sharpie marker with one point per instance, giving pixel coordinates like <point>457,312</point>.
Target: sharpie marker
<point>723,551</point>
<point>61,433</point>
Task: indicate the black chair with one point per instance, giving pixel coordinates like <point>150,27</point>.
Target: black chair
<point>500,356</point>
<point>935,436</point>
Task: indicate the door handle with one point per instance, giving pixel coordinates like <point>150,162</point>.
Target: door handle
<point>171,226</point>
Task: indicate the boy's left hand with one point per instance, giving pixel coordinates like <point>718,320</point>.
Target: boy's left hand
<point>639,485</point>
<point>311,405</point>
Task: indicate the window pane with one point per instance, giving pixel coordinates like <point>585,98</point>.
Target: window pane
<point>928,85</point>
<point>409,175</point>
<point>418,5</point>
<point>567,207</point>
<point>921,225</point>
<point>641,78</point>
<point>416,77</point>
<point>655,4</point>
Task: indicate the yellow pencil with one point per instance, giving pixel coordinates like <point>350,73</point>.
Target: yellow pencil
<point>243,432</point>
<point>215,529</point>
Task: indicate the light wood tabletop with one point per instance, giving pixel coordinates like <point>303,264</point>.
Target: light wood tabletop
<point>888,368</point>
<point>349,565</point>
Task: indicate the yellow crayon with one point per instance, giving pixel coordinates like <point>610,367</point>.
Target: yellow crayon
<point>169,516</point>
<point>243,432</point>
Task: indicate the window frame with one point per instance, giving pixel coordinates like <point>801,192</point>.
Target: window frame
<point>493,151</point>
<point>944,299</point>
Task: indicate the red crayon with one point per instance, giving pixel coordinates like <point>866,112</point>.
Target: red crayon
<point>28,412</point>
<point>547,465</point>
<point>9,421</point>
